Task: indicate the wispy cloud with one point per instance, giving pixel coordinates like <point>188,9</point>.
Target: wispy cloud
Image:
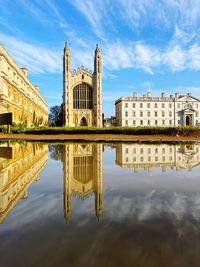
<point>95,13</point>
<point>36,58</point>
<point>150,58</point>
<point>45,11</point>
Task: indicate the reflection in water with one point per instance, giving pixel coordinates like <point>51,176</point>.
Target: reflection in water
<point>20,165</point>
<point>147,220</point>
<point>162,155</point>
<point>82,174</point>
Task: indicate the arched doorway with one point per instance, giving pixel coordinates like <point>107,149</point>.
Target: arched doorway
<point>188,120</point>
<point>83,122</point>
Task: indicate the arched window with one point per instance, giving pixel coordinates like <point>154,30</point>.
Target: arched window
<point>82,97</point>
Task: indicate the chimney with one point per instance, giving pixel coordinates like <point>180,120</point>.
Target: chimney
<point>37,87</point>
<point>148,94</point>
<point>176,95</point>
<point>134,94</point>
<point>144,95</point>
<point>189,94</point>
<point>171,96</point>
<point>24,70</point>
<point>163,95</point>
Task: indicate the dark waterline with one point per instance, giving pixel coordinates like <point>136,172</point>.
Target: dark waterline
<point>95,204</point>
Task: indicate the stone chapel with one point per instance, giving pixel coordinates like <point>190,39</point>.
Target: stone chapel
<point>82,92</point>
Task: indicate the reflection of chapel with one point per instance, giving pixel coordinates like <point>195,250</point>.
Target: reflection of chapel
<point>82,169</point>
<point>82,92</point>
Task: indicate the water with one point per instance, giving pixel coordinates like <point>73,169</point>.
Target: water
<point>99,205</point>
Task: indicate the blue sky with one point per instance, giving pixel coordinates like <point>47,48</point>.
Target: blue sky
<point>145,44</point>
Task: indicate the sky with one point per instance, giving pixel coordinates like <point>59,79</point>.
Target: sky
<point>145,44</point>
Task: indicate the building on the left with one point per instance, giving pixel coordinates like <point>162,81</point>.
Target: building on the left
<point>18,95</point>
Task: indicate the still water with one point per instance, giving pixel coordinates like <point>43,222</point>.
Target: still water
<point>99,205</point>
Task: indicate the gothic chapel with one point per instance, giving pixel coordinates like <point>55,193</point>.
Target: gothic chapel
<point>82,92</point>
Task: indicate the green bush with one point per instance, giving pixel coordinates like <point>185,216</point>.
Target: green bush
<point>184,131</point>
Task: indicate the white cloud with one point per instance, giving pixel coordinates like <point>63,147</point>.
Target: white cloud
<point>94,12</point>
<point>36,58</point>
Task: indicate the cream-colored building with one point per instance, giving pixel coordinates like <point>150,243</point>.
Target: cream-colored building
<point>82,92</point>
<point>146,156</point>
<point>18,173</point>
<point>18,95</point>
<point>178,110</point>
<point>82,174</point>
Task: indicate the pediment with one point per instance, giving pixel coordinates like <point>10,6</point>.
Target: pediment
<point>188,98</point>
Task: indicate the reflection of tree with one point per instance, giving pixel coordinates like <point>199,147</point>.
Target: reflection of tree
<point>55,152</point>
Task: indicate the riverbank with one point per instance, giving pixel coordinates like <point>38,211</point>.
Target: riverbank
<point>99,138</point>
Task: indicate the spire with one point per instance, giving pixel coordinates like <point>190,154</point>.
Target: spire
<point>66,48</point>
<point>97,49</point>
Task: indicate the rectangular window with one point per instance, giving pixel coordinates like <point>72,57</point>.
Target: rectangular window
<point>141,122</point>
<point>163,105</point>
<point>126,122</point>
<point>170,105</point>
<point>126,105</point>
<point>133,113</point>
<point>149,123</point>
<point>156,114</point>
<point>149,150</point>
<point>197,122</point>
<point>126,150</point>
<point>156,122</point>
<point>126,113</point>
<point>148,113</point>
<point>133,105</point>
<point>148,105</point>
<point>133,122</point>
<point>178,105</point>
<point>141,150</point>
<point>141,113</point>
<point>196,105</point>
<point>156,105</point>
<point>197,114</point>
<point>141,105</point>
<point>170,122</point>
<point>163,122</point>
<point>178,122</point>
<point>170,114</point>
<point>163,114</point>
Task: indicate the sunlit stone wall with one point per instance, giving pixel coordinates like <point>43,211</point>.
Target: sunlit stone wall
<point>82,169</point>
<point>18,95</point>
<point>180,110</point>
<point>147,156</point>
<point>18,173</point>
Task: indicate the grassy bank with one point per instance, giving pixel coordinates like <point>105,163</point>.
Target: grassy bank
<point>182,131</point>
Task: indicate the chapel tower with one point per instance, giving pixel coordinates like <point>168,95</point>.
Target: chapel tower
<point>82,92</point>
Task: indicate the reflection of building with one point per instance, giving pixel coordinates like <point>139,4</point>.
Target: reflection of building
<point>18,95</point>
<point>82,92</point>
<point>158,111</point>
<point>18,173</point>
<point>148,156</point>
<point>82,168</point>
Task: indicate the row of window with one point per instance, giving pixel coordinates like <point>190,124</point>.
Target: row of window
<point>155,105</point>
<point>150,122</point>
<point>163,159</point>
<point>149,151</point>
<point>149,114</point>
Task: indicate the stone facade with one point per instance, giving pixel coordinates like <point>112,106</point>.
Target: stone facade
<point>82,174</point>
<point>178,110</point>
<point>18,173</point>
<point>148,156</point>
<point>18,95</point>
<point>82,92</point>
